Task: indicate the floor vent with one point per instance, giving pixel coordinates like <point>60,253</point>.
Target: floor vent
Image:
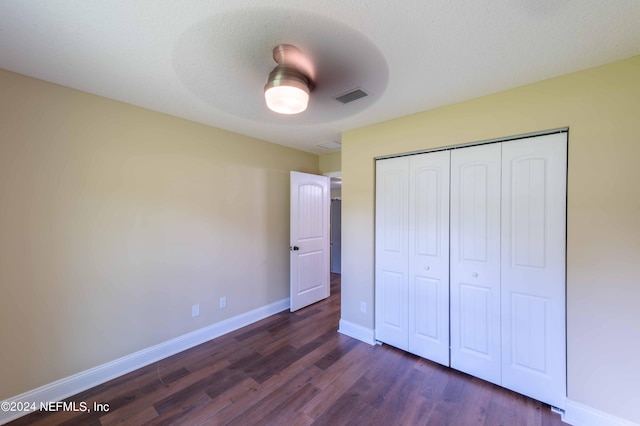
<point>352,95</point>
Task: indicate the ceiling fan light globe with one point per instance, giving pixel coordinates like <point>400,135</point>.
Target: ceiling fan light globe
<point>287,99</point>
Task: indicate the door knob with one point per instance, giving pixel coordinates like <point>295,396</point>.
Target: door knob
<point>426,268</point>
<point>474,275</point>
<point>294,248</point>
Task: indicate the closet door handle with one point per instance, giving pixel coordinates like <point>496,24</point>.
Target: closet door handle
<point>474,275</point>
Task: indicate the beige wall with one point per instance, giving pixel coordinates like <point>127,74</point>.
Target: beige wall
<point>601,107</point>
<point>115,220</point>
<point>330,162</point>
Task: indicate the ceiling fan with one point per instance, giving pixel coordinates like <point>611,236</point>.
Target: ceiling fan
<point>239,68</point>
<point>290,83</point>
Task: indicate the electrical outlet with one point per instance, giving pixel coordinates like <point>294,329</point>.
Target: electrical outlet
<point>363,307</point>
<point>223,302</point>
<point>195,310</point>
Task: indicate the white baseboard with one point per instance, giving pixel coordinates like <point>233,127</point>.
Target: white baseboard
<point>582,415</point>
<point>357,331</point>
<point>68,386</point>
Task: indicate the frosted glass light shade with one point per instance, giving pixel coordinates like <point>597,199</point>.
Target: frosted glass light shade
<point>287,99</point>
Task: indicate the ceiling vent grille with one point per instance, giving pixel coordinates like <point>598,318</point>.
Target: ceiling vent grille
<point>330,145</point>
<point>352,95</point>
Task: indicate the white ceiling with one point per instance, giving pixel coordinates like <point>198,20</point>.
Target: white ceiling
<point>208,60</point>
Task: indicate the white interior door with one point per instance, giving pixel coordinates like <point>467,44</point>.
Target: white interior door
<point>533,267</point>
<point>429,256</point>
<point>391,269</point>
<point>309,234</point>
<point>475,261</point>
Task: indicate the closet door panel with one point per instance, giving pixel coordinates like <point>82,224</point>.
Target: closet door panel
<point>391,270</point>
<point>533,267</point>
<point>475,261</point>
<point>429,256</point>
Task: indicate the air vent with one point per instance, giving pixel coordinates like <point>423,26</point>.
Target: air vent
<point>330,145</point>
<point>351,96</point>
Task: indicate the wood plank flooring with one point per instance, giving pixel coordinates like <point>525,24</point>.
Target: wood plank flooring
<point>296,369</point>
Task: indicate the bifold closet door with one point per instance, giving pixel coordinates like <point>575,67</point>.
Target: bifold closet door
<point>391,269</point>
<point>533,267</point>
<point>412,254</point>
<point>429,256</point>
<point>475,261</point>
<point>470,261</point>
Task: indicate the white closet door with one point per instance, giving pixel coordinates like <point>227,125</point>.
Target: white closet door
<point>391,270</point>
<point>475,261</point>
<point>533,267</point>
<point>429,256</point>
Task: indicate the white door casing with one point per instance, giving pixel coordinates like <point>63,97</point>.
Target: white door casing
<point>533,267</point>
<point>309,236</point>
<point>475,261</point>
<point>391,266</point>
<point>429,256</point>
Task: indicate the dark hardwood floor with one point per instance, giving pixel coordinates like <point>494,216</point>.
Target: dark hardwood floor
<point>296,369</point>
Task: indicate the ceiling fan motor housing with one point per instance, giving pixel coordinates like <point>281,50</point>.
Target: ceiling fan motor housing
<point>288,86</point>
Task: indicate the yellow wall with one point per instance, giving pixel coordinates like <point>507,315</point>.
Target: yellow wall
<point>330,162</point>
<point>601,107</point>
<point>115,220</point>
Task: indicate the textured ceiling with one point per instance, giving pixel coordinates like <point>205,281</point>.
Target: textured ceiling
<point>208,61</point>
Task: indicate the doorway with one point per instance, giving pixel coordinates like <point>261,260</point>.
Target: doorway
<point>335,220</point>
<point>335,235</point>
